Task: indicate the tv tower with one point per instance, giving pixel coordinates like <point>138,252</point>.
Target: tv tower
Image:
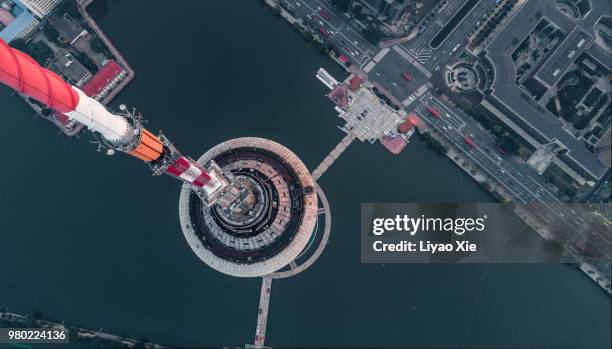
<point>248,206</point>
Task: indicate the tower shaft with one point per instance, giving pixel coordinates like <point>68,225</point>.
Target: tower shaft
<point>119,132</point>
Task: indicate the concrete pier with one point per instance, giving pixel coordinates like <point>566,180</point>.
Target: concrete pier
<point>333,155</point>
<point>266,283</point>
<point>262,315</point>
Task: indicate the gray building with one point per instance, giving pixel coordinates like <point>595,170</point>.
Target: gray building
<point>526,116</point>
<point>66,65</point>
<point>386,10</point>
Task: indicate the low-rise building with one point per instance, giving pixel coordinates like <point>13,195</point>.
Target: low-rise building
<point>40,8</point>
<point>69,67</point>
<point>70,31</point>
<point>513,105</point>
<point>16,20</point>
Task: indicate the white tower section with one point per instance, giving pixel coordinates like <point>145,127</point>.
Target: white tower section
<point>94,115</point>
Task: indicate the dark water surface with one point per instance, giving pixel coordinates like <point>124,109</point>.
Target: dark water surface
<point>95,241</point>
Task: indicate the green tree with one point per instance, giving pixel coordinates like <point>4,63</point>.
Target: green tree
<point>70,7</point>
<point>342,5</point>
<point>39,51</point>
<point>524,152</point>
<point>98,45</point>
<point>508,144</point>
<point>50,32</point>
<point>487,186</point>
<point>18,44</point>
<point>373,35</point>
<point>87,62</point>
<point>434,143</point>
<point>569,191</point>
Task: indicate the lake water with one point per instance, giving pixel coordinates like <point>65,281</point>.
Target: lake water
<point>95,240</point>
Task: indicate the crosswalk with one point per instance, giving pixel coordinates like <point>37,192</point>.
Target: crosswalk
<point>422,55</point>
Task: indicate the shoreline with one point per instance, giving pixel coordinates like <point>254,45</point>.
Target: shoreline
<point>131,74</point>
<point>82,335</point>
<point>75,129</point>
<point>452,153</point>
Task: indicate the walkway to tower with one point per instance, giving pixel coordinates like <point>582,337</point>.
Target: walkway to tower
<point>266,283</point>
<point>262,315</point>
<point>333,155</point>
<point>325,212</point>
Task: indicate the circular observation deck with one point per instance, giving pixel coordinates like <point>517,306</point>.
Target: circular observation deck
<point>270,226</point>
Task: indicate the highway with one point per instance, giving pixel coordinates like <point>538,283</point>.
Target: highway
<point>454,43</point>
<point>388,72</point>
<point>438,22</point>
<point>520,180</point>
<point>318,14</point>
<point>517,178</point>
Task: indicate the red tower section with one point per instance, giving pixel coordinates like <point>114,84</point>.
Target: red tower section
<point>23,74</point>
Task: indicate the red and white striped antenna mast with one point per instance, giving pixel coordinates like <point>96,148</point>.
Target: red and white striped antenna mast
<point>117,132</point>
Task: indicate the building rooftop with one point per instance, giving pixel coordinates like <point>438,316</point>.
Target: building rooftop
<point>22,20</point>
<point>6,17</point>
<point>105,75</point>
<point>602,56</point>
<point>70,67</point>
<point>527,113</point>
<point>355,83</point>
<point>68,29</point>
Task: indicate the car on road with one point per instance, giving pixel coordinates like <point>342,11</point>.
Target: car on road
<point>433,111</point>
<point>469,141</point>
<point>407,76</point>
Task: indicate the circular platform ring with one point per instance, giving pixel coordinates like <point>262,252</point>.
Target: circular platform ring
<point>298,221</point>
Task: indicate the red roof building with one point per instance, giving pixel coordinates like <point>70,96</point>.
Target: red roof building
<point>6,17</point>
<point>102,78</point>
<point>405,126</point>
<point>96,84</point>
<point>355,83</point>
